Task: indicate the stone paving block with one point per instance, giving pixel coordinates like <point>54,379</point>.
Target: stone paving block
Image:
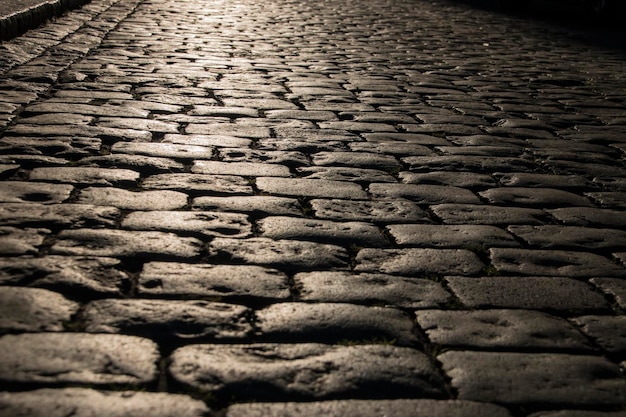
<point>400,137</point>
<point>58,118</point>
<point>391,148</point>
<point>264,205</point>
<point>16,241</point>
<point>416,262</point>
<point>376,289</point>
<point>125,243</point>
<point>383,211</point>
<point>218,141</point>
<point>346,174</point>
<point>288,158</point>
<point>252,132</point>
<point>84,402</point>
<point>307,371</point>
<point>323,231</point>
<point>553,263</point>
<point>447,236</point>
<point>299,187</point>
<point>450,178</point>
<point>487,214</point>
<point>562,295</point>
<point>150,125</point>
<point>203,223</point>
<point>610,199</point>
<point>534,197</point>
<point>335,323</point>
<point>281,254</point>
<point>243,169</point>
<point>547,379</point>
<point>227,282</point>
<point>77,358</point>
<point>356,159</point>
<point>199,183</point>
<point>168,319</point>
<point>55,146</point>
<point>609,332</point>
<point>163,150</point>
<point>615,287</point>
<point>132,200</point>
<point>72,275</point>
<point>532,180</point>
<point>33,192</point>
<point>141,163</point>
<point>570,237</point>
<point>579,413</point>
<point>8,169</point>
<point>33,310</point>
<point>372,408</point>
<point>424,194</point>
<point>86,109</point>
<point>234,112</point>
<point>86,175</point>
<point>481,164</point>
<point>510,330</point>
<point>80,130</point>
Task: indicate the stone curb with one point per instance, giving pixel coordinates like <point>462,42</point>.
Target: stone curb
<point>29,17</point>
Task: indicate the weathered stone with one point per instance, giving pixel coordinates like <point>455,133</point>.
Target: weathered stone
<point>150,125</point>
<point>290,254</point>
<point>471,163</point>
<point>33,192</point>
<point>538,197</point>
<point>609,332</point>
<point>80,275</point>
<point>553,263</point>
<point>563,295</point>
<point>610,199</point>
<point>287,158</point>
<point>333,322</point>
<point>219,141</point>
<point>114,243</point>
<point>199,183</point>
<point>424,194</point>
<point>569,237</point>
<point>383,211</point>
<point>16,241</point>
<point>133,200</point>
<point>82,402</point>
<point>455,179</point>
<point>86,175</point>
<point>511,330</point>
<point>532,180</point>
<point>344,287</point>
<point>416,262</point>
<point>445,236</point>
<point>536,378</point>
<point>487,214</point>
<point>227,282</point>
<point>163,150</point>
<point>615,287</point>
<point>306,371</point>
<point>588,216</point>
<point>72,108</point>
<point>356,160</point>
<point>346,174</point>
<point>392,148</point>
<point>243,169</point>
<point>168,319</point>
<point>299,187</point>
<point>140,163</point>
<point>373,408</point>
<point>196,222</point>
<point>579,413</point>
<point>228,129</point>
<point>71,358</point>
<point>33,310</point>
<point>265,205</point>
<point>324,231</point>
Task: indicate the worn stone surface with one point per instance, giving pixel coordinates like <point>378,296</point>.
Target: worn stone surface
<point>86,175</point>
<point>564,237</point>
<point>232,282</point>
<point>376,289</point>
<point>303,371</point>
<point>487,214</point>
<point>371,408</point>
<point>167,319</point>
<point>199,184</point>
<point>266,205</point>
<point>535,378</point>
<point>83,402</point>
<point>298,187</point>
<point>250,169</point>
<point>445,236</point>
<point>609,332</point>
<point>17,241</point>
<point>615,287</point>
<point>384,211</point>
<point>333,322</point>
<point>133,200</point>
<point>79,358</point>
<point>56,215</point>
<point>424,194</point>
<point>511,330</point>
<point>33,192</point>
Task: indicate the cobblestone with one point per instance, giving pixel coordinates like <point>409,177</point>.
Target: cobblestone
<point>33,310</point>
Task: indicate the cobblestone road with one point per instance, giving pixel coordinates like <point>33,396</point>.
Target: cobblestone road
<point>325,208</point>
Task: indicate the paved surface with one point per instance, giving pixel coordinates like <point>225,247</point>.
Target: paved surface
<point>241,208</point>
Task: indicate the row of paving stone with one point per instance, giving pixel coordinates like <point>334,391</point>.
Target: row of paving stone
<point>267,204</point>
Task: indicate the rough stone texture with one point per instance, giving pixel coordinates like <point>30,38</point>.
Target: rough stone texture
<point>167,319</point>
<point>383,211</point>
<point>590,217</point>
<point>487,214</point>
<point>535,379</point>
<point>553,263</point>
<point>249,169</point>
<point>213,281</point>
<point>372,408</point>
<point>424,194</point>
<point>122,243</point>
<point>416,262</point>
<point>199,184</point>
<point>289,254</point>
<point>609,332</point>
<point>79,358</point>
<point>564,295</point>
<point>56,215</point>
<point>33,192</point>
<point>86,175</point>
<point>197,222</point>
<point>376,289</point>
<point>331,173</point>
<point>563,237</point>
<point>614,287</point>
<point>332,323</point>
<point>324,231</point>
<point>21,241</point>
<point>445,236</point>
<point>33,310</point>
<point>579,413</point>
<point>82,402</point>
<point>133,200</point>
<point>266,205</point>
<point>513,330</point>
<point>540,197</point>
<point>307,371</point>
<point>298,187</point>
<point>163,150</point>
